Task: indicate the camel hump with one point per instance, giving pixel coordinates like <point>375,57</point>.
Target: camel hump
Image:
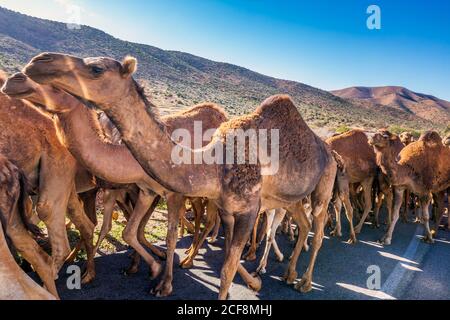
<point>431,138</point>
<point>277,105</point>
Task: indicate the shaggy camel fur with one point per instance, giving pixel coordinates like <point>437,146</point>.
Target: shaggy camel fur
<point>423,167</point>
<point>360,168</point>
<point>306,165</point>
<point>28,139</point>
<point>112,163</point>
<point>15,284</point>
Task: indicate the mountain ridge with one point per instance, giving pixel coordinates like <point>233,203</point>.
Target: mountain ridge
<point>176,80</point>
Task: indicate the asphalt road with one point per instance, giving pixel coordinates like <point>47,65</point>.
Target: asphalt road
<point>410,269</point>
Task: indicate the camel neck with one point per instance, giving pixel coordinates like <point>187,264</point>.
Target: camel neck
<point>83,137</point>
<point>387,161</point>
<point>149,142</point>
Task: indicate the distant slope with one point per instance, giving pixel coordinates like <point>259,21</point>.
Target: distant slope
<point>418,104</point>
<point>177,80</point>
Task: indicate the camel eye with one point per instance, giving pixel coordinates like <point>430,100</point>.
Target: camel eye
<point>96,70</point>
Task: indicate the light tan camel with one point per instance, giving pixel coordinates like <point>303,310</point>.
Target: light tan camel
<point>14,283</point>
<point>423,167</point>
<point>360,168</point>
<point>306,165</point>
<point>112,163</point>
<point>406,137</point>
<point>29,140</point>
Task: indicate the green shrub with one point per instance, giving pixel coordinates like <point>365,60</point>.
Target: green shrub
<point>343,129</point>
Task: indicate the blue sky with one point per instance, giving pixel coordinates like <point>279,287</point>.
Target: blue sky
<point>325,44</point>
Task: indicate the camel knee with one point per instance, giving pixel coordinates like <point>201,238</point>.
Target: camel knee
<point>44,210</point>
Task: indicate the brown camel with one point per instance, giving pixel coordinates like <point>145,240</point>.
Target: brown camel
<point>113,163</point>
<point>360,168</point>
<point>423,167</point>
<point>29,140</point>
<point>306,165</point>
<point>406,138</point>
<point>15,284</point>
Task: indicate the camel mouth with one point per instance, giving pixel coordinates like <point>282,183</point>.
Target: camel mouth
<point>18,94</point>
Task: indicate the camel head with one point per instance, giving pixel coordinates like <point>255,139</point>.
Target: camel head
<point>98,79</point>
<point>431,139</point>
<point>406,138</point>
<point>382,139</point>
<point>446,140</point>
<point>19,86</point>
<point>51,99</point>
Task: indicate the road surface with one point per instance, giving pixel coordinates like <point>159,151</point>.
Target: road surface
<point>410,269</point>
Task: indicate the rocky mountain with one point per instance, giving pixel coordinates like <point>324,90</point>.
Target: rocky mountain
<point>421,105</point>
<point>176,80</point>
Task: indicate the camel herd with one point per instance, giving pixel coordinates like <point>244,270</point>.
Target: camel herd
<point>72,127</point>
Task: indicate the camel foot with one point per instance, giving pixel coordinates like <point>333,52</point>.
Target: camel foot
<point>212,240</point>
<point>304,285</point>
<point>336,233</point>
<point>187,263</point>
<point>428,239</point>
<point>132,269</point>
<point>385,241</point>
<point>188,250</point>
<point>280,258</point>
<point>88,277</point>
<point>163,289</point>
<point>161,255</point>
<point>358,229</point>
<point>155,270</point>
<point>261,270</point>
<point>290,277</point>
<point>250,255</point>
<point>352,240</point>
<point>256,283</point>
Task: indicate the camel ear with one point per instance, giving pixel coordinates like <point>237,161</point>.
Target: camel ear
<point>129,66</point>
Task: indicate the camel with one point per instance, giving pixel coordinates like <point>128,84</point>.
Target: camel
<point>423,167</point>
<point>114,163</point>
<point>241,190</point>
<point>29,140</point>
<point>360,168</point>
<point>406,137</point>
<point>15,284</point>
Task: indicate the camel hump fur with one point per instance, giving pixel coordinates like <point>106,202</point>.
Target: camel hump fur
<point>428,158</point>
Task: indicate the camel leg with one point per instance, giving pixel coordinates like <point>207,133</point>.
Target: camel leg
<point>390,204</point>
<point>215,232</point>
<point>109,201</point>
<point>367,189</point>
<point>211,214</point>
<point>176,207</point>
<point>349,214</point>
<point>405,213</point>
<point>81,221</point>
<point>448,209</point>
<point>425,205</point>
<point>51,208</point>
<point>304,227</point>
<point>440,210</point>
<point>129,234</point>
<point>291,235</point>
<point>250,255</point>
<point>197,207</point>
<point>88,199</point>
<point>337,206</point>
<point>31,251</point>
<point>305,284</point>
<point>274,219</point>
<point>376,210</point>
<point>242,227</point>
<point>398,199</point>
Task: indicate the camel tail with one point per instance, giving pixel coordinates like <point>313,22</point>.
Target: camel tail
<point>339,161</point>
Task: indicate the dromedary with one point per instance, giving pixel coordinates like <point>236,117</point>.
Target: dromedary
<point>423,167</point>
<point>14,283</point>
<point>360,168</point>
<point>306,165</point>
<point>29,140</point>
<point>114,163</point>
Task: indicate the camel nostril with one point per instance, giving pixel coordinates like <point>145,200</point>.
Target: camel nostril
<point>45,57</point>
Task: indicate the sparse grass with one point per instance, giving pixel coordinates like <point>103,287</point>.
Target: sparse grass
<point>343,129</point>
<point>398,130</point>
